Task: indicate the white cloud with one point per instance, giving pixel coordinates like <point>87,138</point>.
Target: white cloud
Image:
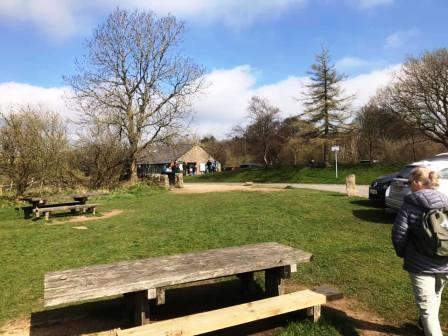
<point>223,104</point>
<point>364,86</point>
<point>53,17</point>
<point>61,18</point>
<point>352,63</point>
<point>13,95</point>
<point>365,4</point>
<point>401,38</point>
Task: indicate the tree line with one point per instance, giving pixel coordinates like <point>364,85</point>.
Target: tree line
<point>133,89</point>
<point>405,121</point>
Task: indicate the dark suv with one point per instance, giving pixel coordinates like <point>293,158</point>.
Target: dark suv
<point>377,189</point>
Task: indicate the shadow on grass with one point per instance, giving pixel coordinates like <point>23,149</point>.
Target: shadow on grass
<point>80,319</point>
<point>376,216</point>
<point>374,213</point>
<point>368,203</point>
<point>105,315</point>
<point>65,215</point>
<point>94,317</point>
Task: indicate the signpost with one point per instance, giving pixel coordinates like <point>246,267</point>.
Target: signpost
<point>335,149</point>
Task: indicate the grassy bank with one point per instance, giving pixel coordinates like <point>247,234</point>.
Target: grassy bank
<point>350,241</point>
<point>365,174</point>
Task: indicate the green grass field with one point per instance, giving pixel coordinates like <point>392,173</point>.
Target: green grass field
<point>365,174</point>
<point>349,238</point>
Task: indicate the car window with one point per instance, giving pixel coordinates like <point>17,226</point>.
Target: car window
<point>443,174</point>
<point>406,171</point>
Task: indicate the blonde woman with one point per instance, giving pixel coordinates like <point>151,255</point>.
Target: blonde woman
<point>428,274</point>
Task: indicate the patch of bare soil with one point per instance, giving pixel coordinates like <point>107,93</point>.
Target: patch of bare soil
<point>193,188</point>
<point>78,219</point>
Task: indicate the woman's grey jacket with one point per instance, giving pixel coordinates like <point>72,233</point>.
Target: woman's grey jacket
<point>405,229</point>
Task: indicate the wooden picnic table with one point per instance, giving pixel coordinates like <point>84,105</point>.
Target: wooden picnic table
<point>143,280</point>
<point>35,201</point>
<point>39,205</point>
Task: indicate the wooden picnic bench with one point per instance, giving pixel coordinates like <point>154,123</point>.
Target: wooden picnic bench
<point>40,206</point>
<point>145,281</point>
<point>74,207</point>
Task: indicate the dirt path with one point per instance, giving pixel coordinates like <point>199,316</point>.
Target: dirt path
<point>200,188</point>
<point>82,219</point>
<point>196,188</point>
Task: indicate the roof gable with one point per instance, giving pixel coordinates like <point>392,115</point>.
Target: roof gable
<point>161,154</point>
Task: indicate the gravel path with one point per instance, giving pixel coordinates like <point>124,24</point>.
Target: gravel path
<point>363,190</point>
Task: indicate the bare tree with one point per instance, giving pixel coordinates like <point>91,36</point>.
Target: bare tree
<point>419,94</point>
<point>100,156</point>
<point>134,80</point>
<point>262,132</point>
<point>216,148</point>
<point>34,149</point>
<point>377,126</point>
<point>326,105</point>
<point>295,135</point>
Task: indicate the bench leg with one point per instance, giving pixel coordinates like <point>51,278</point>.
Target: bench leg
<point>313,313</point>
<point>160,299</point>
<point>247,282</point>
<point>47,215</point>
<point>93,211</point>
<point>274,280</point>
<point>141,307</point>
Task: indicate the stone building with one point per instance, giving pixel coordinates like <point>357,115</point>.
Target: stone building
<point>194,159</point>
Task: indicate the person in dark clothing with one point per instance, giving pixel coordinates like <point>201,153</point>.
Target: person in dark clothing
<point>428,274</point>
<point>172,173</point>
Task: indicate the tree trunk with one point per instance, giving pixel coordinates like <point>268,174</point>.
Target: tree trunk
<point>413,146</point>
<point>133,178</point>
<point>326,160</point>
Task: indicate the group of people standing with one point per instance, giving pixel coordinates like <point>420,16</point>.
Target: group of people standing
<point>428,273</point>
<point>171,169</point>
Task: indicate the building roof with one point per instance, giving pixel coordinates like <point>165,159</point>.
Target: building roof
<point>161,154</point>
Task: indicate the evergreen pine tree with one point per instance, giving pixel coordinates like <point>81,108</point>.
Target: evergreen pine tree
<point>325,104</point>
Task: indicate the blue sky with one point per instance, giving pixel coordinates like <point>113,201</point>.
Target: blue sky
<point>260,47</point>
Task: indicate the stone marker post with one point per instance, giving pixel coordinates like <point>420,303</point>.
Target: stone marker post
<point>350,183</point>
<point>179,180</point>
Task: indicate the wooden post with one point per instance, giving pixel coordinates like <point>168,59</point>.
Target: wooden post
<point>350,183</point>
<point>179,180</point>
<point>247,282</point>
<point>160,299</point>
<point>275,281</point>
<point>313,313</point>
<point>141,307</point>
<point>128,300</point>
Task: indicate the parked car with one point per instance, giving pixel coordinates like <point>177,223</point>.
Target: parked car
<point>250,165</point>
<point>377,189</point>
<point>399,187</point>
<point>439,157</point>
<point>368,161</point>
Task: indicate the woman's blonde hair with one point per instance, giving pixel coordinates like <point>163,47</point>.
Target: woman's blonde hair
<point>428,178</point>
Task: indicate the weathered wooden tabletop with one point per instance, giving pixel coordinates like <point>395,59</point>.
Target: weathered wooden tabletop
<point>100,281</point>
